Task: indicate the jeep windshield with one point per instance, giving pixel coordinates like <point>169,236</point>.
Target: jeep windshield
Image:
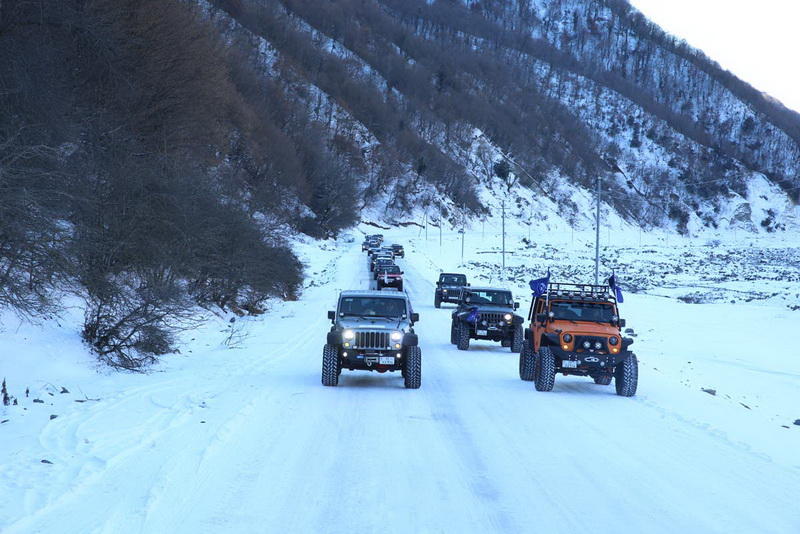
<point>372,307</point>
<point>453,280</point>
<point>594,312</point>
<point>491,298</point>
<point>390,269</point>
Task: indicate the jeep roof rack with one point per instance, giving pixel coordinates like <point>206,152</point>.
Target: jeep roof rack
<point>585,292</point>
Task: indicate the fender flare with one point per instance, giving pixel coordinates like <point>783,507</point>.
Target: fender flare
<point>410,340</point>
<point>334,338</point>
<point>550,339</point>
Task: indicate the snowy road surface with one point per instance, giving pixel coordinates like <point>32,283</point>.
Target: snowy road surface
<point>249,441</point>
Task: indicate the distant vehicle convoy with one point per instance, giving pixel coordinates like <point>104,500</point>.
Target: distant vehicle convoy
<point>573,329</point>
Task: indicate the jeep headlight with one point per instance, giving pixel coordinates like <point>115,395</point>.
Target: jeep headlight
<point>444,291</point>
<point>567,338</point>
<point>613,340</point>
<point>508,317</point>
<point>348,335</point>
<point>397,336</point>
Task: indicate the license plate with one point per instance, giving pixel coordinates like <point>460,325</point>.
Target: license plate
<point>482,332</point>
<point>386,360</point>
<point>569,364</point>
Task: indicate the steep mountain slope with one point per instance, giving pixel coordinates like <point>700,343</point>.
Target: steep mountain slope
<point>564,90</point>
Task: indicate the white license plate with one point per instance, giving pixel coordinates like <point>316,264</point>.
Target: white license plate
<point>386,360</point>
<point>569,364</point>
<point>482,332</point>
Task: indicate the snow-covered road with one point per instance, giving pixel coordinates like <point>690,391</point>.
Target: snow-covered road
<point>249,441</point>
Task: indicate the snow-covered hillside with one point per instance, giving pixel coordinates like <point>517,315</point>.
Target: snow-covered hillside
<point>570,88</point>
<point>236,434</point>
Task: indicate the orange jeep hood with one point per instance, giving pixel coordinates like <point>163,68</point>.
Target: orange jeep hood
<point>585,328</point>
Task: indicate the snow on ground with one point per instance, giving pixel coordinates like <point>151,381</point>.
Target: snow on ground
<point>245,439</point>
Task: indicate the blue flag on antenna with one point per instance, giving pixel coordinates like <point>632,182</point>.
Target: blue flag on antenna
<point>539,286</point>
<point>612,283</point>
<point>473,314</point>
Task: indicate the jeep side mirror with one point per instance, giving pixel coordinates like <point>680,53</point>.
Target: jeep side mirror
<point>621,323</point>
<point>468,285</point>
<point>541,317</point>
<point>402,272</point>
<point>516,305</point>
<point>414,317</point>
<point>331,315</point>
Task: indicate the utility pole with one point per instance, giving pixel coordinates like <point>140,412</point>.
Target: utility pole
<point>597,237</point>
<point>463,231</point>
<point>504,235</point>
<point>530,222</point>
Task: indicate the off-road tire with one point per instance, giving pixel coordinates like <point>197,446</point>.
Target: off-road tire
<point>462,336</point>
<point>413,368</point>
<point>330,365</point>
<point>527,361</point>
<point>626,376</point>
<point>602,380</point>
<point>437,301</point>
<point>544,370</point>
<point>517,339</point>
<point>453,333</point>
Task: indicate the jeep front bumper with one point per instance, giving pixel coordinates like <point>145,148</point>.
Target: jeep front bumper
<point>372,360</point>
<point>492,332</point>
<point>586,362</point>
<point>449,296</point>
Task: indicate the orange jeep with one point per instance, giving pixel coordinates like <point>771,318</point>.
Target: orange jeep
<point>575,329</point>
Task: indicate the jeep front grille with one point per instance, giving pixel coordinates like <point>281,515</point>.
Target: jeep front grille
<point>372,340</point>
<point>490,318</point>
<point>579,340</point>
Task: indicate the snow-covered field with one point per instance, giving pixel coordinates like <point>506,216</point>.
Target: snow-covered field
<point>245,439</point>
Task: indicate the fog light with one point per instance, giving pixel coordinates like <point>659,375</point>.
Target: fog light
<point>586,345</point>
<point>615,351</point>
<point>397,345</point>
<point>598,345</point>
<point>565,347</point>
<point>344,354</point>
<point>346,344</point>
<point>399,355</point>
